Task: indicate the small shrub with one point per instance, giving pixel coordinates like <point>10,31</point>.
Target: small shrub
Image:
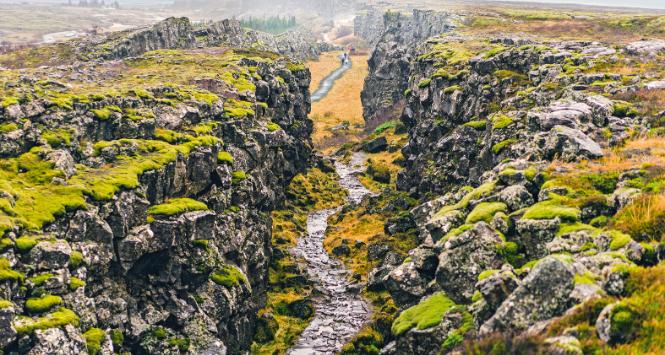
<point>643,219</point>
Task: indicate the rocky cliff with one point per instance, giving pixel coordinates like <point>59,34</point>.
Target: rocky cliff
<point>135,215</point>
<point>525,159</point>
<point>174,33</point>
<point>389,63</point>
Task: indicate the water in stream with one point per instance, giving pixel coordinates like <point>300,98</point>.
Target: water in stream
<point>340,310</point>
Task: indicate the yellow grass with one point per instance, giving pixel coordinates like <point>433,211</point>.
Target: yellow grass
<point>342,103</point>
<point>643,150</point>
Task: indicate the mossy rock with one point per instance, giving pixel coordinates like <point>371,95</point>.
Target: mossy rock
<point>228,276</point>
<point>177,206</point>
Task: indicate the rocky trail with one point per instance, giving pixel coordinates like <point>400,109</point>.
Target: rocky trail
<point>328,82</point>
<point>340,311</point>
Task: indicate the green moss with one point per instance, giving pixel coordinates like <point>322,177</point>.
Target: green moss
<point>485,211</point>
<point>8,101</point>
<point>238,109</point>
<point>619,240</point>
<point>5,243</point>
<point>624,320</point>
<point>117,338</point>
<point>553,208</point>
<point>600,221</point>
<point>39,280</point>
<point>385,126</point>
<point>201,243</point>
<point>624,109</point>
<point>238,176</point>
<point>487,273</point>
<point>295,67</point>
<point>7,273</point>
<point>510,251</point>
<point>102,114</point>
<point>479,192</point>
<point>272,127</point>
<point>424,83</point>
<point>501,121</point>
<point>25,243</point>
<point>509,74</point>
<point>456,337</point>
<point>8,127</point>
<point>568,228</point>
<point>177,206</point>
<point>497,148</point>
<point>224,157</point>
<point>75,258</point>
<point>93,340</point>
<point>5,304</point>
<point>228,276</point>
<point>43,304</point>
<point>478,124</point>
<point>75,283</point>
<point>585,279</point>
<point>181,343</point>
<point>58,138</point>
<point>428,313</point>
<point>451,89</point>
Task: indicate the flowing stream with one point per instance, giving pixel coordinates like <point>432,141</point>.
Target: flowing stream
<point>340,310</point>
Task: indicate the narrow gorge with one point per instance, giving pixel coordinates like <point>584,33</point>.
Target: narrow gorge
<point>472,181</point>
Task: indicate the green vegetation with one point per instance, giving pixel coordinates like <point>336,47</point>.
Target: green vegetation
<point>25,243</point>
<point>62,316</point>
<point>619,240</point>
<point>58,138</point>
<point>224,157</point>
<point>553,208</point>
<point>272,127</point>
<point>424,83</point>
<point>5,304</point>
<point>228,276</point>
<point>75,283</point>
<point>43,304</point>
<point>485,211</point>
<point>7,273</point>
<point>478,124</point>
<point>480,191</point>
<point>238,176</point>
<point>385,126</point>
<point>497,148</point>
<point>75,259</point>
<point>177,206</point>
<point>8,127</point>
<point>451,89</point>
<point>40,279</point>
<point>501,121</point>
<point>428,313</point>
<point>93,340</point>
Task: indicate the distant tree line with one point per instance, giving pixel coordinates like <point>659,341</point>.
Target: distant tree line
<point>273,24</point>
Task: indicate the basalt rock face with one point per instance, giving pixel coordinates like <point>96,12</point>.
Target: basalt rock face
<point>175,33</point>
<point>137,214</point>
<point>483,107</point>
<point>511,245</point>
<point>392,54</point>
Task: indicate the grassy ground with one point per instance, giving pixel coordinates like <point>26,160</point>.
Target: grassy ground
<point>342,103</point>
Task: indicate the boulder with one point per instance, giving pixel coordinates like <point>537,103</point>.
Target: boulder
<point>543,294</point>
<point>50,255</point>
<point>516,197</point>
<point>405,284</point>
<point>464,257</point>
<point>58,341</point>
<point>617,323</point>
<point>535,234</point>
<point>376,145</point>
<point>7,331</point>
<point>571,145</point>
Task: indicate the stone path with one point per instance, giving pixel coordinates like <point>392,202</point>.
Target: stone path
<point>340,310</point>
<point>327,83</point>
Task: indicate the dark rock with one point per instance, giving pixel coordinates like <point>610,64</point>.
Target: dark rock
<point>376,145</point>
